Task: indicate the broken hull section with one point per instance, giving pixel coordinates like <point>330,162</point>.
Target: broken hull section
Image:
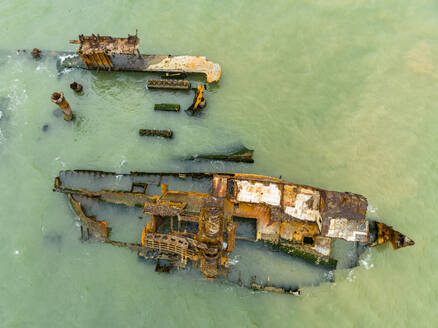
<point>196,218</point>
<point>122,54</point>
<point>150,63</point>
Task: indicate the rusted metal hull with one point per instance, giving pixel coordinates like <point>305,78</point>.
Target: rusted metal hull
<point>135,63</point>
<point>296,219</point>
<point>122,54</point>
<point>150,63</point>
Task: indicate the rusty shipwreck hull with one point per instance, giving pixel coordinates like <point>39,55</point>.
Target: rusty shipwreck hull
<point>121,54</point>
<point>296,219</point>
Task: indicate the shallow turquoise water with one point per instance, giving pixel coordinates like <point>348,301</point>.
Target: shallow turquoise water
<point>339,95</point>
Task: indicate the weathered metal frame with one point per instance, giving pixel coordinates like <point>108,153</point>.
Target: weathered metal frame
<point>119,54</point>
<point>214,212</point>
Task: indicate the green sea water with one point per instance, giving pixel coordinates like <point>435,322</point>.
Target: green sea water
<point>336,94</point>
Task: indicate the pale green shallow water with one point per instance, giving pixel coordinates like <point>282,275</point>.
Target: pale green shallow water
<point>336,94</point>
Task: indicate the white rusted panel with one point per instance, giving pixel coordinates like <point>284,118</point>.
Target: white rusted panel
<point>306,206</point>
<point>322,250</point>
<point>189,64</point>
<point>322,245</point>
<point>350,230</point>
<point>257,192</point>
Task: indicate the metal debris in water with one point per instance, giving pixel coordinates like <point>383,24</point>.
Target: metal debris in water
<point>75,86</point>
<point>156,133</point>
<point>169,75</point>
<point>36,53</point>
<point>199,101</point>
<point>167,107</point>
<point>243,155</point>
<point>168,84</point>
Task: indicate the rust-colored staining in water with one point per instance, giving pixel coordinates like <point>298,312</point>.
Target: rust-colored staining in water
<point>201,228</point>
<point>58,99</point>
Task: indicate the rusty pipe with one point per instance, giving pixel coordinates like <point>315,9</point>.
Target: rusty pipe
<point>58,98</point>
<point>75,86</point>
<point>36,53</point>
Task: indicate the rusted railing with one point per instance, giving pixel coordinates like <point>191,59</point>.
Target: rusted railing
<point>169,244</point>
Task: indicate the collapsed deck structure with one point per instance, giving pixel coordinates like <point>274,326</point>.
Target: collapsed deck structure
<point>121,54</point>
<point>201,225</point>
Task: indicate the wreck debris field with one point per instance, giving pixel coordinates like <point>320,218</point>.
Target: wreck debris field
<point>314,127</point>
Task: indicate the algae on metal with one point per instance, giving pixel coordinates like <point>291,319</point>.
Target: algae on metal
<point>242,154</point>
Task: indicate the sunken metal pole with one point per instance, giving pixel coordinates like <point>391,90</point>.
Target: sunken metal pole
<point>59,99</point>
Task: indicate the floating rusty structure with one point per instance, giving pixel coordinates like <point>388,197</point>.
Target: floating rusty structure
<point>168,84</point>
<point>122,54</point>
<point>156,133</point>
<point>201,225</point>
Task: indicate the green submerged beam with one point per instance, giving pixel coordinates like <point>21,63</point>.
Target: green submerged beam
<point>310,257</point>
<point>242,155</point>
<point>167,107</point>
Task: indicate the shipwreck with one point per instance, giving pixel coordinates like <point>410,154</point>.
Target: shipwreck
<point>122,54</point>
<point>198,225</point>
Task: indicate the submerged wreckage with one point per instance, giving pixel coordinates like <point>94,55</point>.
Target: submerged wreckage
<point>122,54</point>
<point>200,225</point>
